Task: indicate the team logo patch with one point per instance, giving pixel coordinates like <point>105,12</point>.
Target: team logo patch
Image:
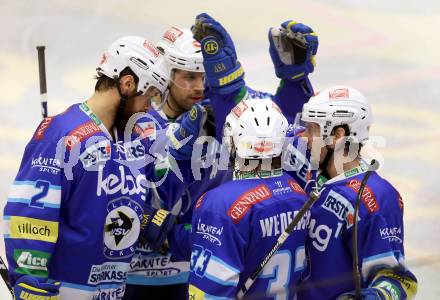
<point>145,130</point>
<point>103,59</point>
<point>173,34</point>
<point>150,47</point>
<point>368,197</point>
<point>122,227</point>
<point>338,94</point>
<point>296,187</point>
<point>242,205</point>
<point>211,47</point>
<point>239,109</point>
<point>193,114</point>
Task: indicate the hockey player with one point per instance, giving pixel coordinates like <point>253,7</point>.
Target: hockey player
<point>337,122</point>
<point>74,211</point>
<point>152,273</point>
<point>237,223</point>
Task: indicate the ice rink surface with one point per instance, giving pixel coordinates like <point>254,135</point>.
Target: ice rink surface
<point>387,49</point>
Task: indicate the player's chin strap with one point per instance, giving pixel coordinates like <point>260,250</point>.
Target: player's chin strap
<point>356,273</point>
<point>314,195</point>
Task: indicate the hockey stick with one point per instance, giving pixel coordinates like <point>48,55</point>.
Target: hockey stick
<point>43,86</point>
<point>248,283</point>
<point>4,274</point>
<point>356,272</point>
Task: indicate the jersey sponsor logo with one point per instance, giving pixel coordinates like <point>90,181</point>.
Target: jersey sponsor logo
<point>95,154</point>
<point>277,224</point>
<point>296,187</point>
<point>210,233</point>
<point>200,200</point>
<point>46,164</point>
<point>320,235</point>
<point>231,77</point>
<point>109,293</point>
<point>108,272</point>
<point>173,34</point>
<point>368,197</point>
<point>33,229</point>
<point>31,262</point>
<point>392,234</point>
<point>147,130</point>
<point>134,150</point>
<point>153,266</point>
<point>338,94</point>
<point>152,48</point>
<point>340,207</point>
<point>39,134</point>
<point>280,190</point>
<point>122,227</point>
<point>241,206</point>
<point>125,184</point>
<point>81,133</point>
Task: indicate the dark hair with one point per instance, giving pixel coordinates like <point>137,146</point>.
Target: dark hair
<point>347,133</point>
<point>105,83</point>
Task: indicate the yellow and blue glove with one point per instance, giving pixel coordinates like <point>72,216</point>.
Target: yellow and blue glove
<point>224,73</point>
<point>183,137</point>
<point>292,48</point>
<point>156,225</point>
<point>29,287</point>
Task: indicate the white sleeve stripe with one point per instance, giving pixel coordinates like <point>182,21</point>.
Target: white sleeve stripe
<point>386,258</point>
<point>222,271</point>
<point>24,192</point>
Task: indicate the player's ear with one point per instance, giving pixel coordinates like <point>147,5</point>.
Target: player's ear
<point>339,132</point>
<point>127,84</point>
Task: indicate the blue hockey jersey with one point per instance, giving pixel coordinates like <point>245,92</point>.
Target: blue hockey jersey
<point>234,227</point>
<point>329,247</point>
<point>74,210</point>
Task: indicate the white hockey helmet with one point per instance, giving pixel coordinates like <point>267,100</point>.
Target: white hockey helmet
<point>256,128</point>
<point>181,50</point>
<point>141,56</point>
<point>336,106</point>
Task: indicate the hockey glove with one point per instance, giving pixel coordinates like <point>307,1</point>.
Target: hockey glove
<point>368,294</point>
<point>28,287</point>
<point>183,138</point>
<point>293,48</point>
<point>156,225</point>
<point>223,71</point>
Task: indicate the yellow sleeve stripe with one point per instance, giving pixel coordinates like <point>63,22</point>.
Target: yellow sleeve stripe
<point>33,229</point>
<point>195,293</point>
